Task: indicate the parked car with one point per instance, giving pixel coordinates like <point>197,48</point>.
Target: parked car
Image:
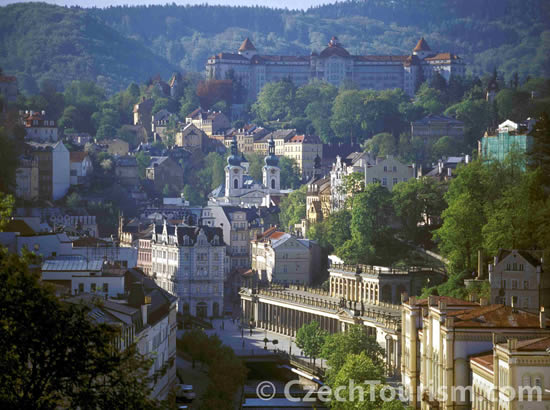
<point>185,393</point>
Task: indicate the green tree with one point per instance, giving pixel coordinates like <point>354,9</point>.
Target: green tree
<point>476,115</point>
<point>348,116</point>
<point>430,99</point>
<point>540,151</point>
<point>6,208</point>
<point>370,211</point>
<point>290,173</point>
<point>310,338</point>
<point>354,340</point>
<point>417,202</point>
<point>444,147</point>
<point>293,208</point>
<point>381,144</point>
<point>358,368</point>
<point>73,363</point>
<point>276,101</point>
<point>73,200</point>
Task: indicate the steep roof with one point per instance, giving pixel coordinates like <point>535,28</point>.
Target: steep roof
<point>18,225</point>
<point>247,45</point>
<point>78,156</point>
<point>422,45</point>
<point>533,257</point>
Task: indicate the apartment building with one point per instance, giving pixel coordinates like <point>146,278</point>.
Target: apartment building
<point>388,172</point>
<point>304,149</point>
<point>189,262</point>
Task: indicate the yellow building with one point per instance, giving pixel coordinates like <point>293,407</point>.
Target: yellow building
<point>522,368</point>
<point>304,149</point>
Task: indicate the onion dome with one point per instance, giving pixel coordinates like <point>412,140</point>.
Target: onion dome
<point>271,158</point>
<point>234,158</point>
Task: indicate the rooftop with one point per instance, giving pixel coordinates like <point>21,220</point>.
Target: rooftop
<point>495,316</point>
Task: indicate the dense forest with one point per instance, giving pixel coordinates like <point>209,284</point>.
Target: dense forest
<point>117,45</point>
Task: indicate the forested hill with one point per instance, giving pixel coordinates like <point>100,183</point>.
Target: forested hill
<point>40,41</point>
<point>121,44</point>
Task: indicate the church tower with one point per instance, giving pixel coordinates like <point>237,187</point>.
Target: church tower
<point>234,173</point>
<point>271,171</point>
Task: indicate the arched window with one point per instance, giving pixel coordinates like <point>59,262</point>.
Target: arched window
<point>236,183</point>
<point>273,184</point>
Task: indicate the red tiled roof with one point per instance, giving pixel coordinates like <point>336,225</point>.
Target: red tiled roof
<point>78,156</point>
<point>422,45</point>
<point>276,235</point>
<point>540,344</point>
<point>485,360</point>
<point>307,139</point>
<point>8,79</point>
<point>442,56</point>
<point>247,45</point>
<point>495,316</point>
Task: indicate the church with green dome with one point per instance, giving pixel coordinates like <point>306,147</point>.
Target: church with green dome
<point>240,189</point>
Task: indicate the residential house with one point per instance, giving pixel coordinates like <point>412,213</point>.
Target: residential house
<point>116,147</point>
<point>515,375</point>
<point>78,138</point>
<point>145,315</point>
<point>127,171</point>
<point>26,178</point>
<point>81,167</point>
<point>440,337</point>
<point>105,250</point>
<point>38,127</point>
<point>143,113</point>
<point>304,149</point>
<point>189,262</point>
<point>164,171</point>
<point>356,162</point>
<point>161,122</point>
<point>318,199</point>
<point>432,127</point>
<point>77,274</point>
<point>517,278</point>
<point>388,172</point>
<point>190,137</point>
<point>280,257</point>
<point>53,169</point>
<point>509,136</point>
<point>280,137</point>
<point>211,122</point>
<point>444,169</point>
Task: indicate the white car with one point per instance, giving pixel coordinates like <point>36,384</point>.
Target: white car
<point>185,392</point>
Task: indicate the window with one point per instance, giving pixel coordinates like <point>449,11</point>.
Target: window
<point>525,284</point>
<point>384,181</point>
<point>514,284</point>
<point>236,183</point>
<point>105,288</point>
<point>394,181</point>
<point>394,168</point>
<point>385,168</point>
<point>93,287</point>
<point>521,266</point>
<point>80,287</point>
<point>503,285</point>
<point>273,184</point>
<point>508,266</point>
<point>515,266</point>
<point>538,382</point>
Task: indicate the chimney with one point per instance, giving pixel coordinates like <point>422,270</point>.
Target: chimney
<point>512,344</point>
<point>480,270</point>
<point>144,314</point>
<point>542,318</point>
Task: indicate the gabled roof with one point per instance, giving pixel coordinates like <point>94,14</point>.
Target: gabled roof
<point>533,257</point>
<point>540,344</point>
<point>422,45</point>
<point>78,156</point>
<point>18,225</point>
<point>247,45</point>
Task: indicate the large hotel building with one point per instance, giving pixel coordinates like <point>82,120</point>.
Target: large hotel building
<point>334,65</point>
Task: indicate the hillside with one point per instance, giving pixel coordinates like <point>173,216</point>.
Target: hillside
<point>119,44</point>
<point>40,41</point>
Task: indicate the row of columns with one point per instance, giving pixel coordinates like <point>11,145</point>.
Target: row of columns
<point>354,290</point>
<point>287,321</point>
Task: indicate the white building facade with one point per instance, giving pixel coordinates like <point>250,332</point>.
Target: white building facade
<point>189,262</point>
